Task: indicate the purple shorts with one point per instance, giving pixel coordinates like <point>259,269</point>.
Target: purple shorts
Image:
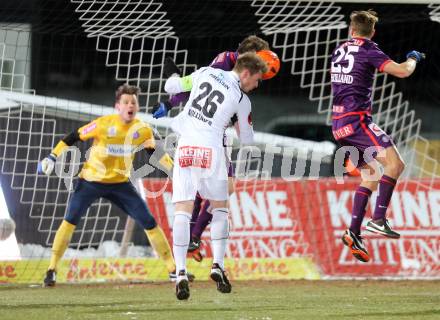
<point>359,131</point>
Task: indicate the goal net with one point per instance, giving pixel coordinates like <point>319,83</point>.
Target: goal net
<point>60,62</point>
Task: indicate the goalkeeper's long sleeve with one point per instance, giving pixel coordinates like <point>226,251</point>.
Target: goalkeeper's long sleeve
<point>67,141</point>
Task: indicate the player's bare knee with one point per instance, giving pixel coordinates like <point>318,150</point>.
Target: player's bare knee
<point>395,168</point>
<point>184,206</point>
<point>218,204</point>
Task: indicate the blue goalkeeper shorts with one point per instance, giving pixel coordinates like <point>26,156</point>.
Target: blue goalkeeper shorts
<point>124,195</point>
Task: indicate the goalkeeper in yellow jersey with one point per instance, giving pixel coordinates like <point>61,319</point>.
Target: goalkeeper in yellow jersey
<point>106,174</point>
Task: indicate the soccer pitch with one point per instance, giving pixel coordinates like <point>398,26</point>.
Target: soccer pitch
<point>261,300</point>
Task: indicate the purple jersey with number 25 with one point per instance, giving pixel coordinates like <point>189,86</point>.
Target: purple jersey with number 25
<point>352,73</point>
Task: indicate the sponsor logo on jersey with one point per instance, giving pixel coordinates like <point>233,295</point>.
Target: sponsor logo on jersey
<point>199,157</point>
<point>111,132</point>
<point>119,150</point>
<point>343,132</point>
<point>220,79</point>
<point>89,128</point>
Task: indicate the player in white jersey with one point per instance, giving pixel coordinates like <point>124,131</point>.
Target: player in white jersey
<point>200,162</point>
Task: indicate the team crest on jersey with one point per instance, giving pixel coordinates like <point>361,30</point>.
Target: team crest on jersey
<point>376,130</point>
<point>250,118</point>
<point>136,135</point>
<point>111,132</point>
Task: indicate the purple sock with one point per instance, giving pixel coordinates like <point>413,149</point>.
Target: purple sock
<point>386,187</point>
<point>204,219</point>
<point>195,214</point>
<point>360,201</point>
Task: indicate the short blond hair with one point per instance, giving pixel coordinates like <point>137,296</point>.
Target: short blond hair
<point>362,22</point>
<point>252,62</point>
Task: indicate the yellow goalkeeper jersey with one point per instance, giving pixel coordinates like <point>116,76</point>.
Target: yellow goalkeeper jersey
<point>114,145</point>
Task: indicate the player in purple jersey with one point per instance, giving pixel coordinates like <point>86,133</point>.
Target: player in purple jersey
<point>201,215</point>
<point>352,73</point>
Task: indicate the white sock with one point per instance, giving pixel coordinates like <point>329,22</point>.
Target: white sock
<point>219,235</point>
<point>180,238</point>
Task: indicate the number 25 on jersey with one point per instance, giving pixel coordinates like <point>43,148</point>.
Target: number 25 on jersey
<point>344,54</point>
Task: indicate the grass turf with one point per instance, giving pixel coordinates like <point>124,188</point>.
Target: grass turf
<point>263,300</point>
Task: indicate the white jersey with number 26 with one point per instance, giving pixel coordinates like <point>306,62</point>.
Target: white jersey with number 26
<point>215,97</point>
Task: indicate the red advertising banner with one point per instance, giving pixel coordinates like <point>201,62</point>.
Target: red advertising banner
<point>414,212</point>
<point>278,219</point>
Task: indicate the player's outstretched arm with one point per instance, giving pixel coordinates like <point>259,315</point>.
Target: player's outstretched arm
<point>84,133</point>
<point>161,108</point>
<point>177,84</point>
<point>47,165</point>
<point>404,69</point>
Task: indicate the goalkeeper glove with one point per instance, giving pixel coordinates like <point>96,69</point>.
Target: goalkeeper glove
<point>161,109</point>
<point>170,68</point>
<point>416,55</point>
<point>47,165</point>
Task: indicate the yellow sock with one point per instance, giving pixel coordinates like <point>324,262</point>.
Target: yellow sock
<point>160,244</point>
<point>60,243</point>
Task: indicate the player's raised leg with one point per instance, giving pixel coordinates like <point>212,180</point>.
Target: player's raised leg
<point>393,168</point>
<point>352,236</point>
